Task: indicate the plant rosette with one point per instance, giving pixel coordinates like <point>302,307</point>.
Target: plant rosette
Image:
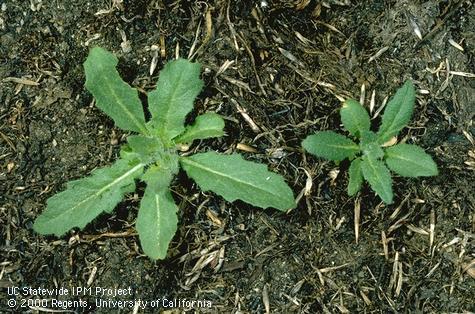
<point>151,156</point>
<point>370,159</point>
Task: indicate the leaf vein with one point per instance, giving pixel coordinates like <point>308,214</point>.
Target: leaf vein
<point>127,111</point>
<point>102,190</point>
<point>198,165</point>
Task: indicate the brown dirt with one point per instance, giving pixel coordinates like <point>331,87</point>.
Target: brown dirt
<point>291,63</point>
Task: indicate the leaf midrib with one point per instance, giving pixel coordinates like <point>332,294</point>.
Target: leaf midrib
<point>141,127</point>
<point>157,209</point>
<point>389,129</point>
<point>170,99</point>
<point>358,123</point>
<point>198,165</point>
<point>373,168</point>
<point>347,147</point>
<point>423,165</point>
<point>102,190</point>
<point>194,133</point>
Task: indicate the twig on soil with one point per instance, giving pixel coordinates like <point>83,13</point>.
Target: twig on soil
<point>246,116</point>
<point>398,223</point>
<point>199,252</point>
<point>293,300</point>
<point>456,45</point>
<point>385,100</point>
<point>417,230</point>
<point>226,64</point>
<point>154,62</point>
<point>93,238</point>
<point>265,299</point>
<point>431,229</point>
<point>246,148</point>
<point>268,224</point>
<point>253,62</point>
<point>438,25</point>
<point>92,276</point>
<point>9,142</point>
<point>390,302</point>
<point>214,259</point>
<point>398,209</point>
<point>378,54</point>
<point>177,50</point>
<point>393,281</point>
<point>372,102</point>
<point>465,74</point>
<point>22,81</point>
<point>357,219</point>
<point>432,270</point>
<point>331,27</point>
<point>209,30</point>
<point>308,183</point>
<point>163,49</point>
<point>328,86</point>
<point>195,41</point>
<point>384,241</point>
<point>290,56</point>
<point>469,268</point>
<point>238,83</point>
<point>231,28</point>
<point>415,27</point>
<point>362,94</point>
<point>330,269</point>
<point>469,138</point>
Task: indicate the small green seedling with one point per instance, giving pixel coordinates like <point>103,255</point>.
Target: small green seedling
<point>369,156</point>
<point>152,157</point>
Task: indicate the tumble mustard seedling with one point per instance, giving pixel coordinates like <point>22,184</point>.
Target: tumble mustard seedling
<point>151,156</point>
<point>369,158</point>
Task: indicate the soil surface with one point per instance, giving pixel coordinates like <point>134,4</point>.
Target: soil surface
<point>277,71</point>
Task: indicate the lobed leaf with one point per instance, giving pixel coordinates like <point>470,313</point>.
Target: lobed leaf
<point>410,161</point>
<point>355,118</point>
<point>355,177</point>
<point>398,112</point>
<point>206,125</point>
<point>330,145</point>
<point>178,85</point>
<point>233,178</point>
<point>86,198</point>
<point>113,96</point>
<point>156,222</point>
<point>379,178</point>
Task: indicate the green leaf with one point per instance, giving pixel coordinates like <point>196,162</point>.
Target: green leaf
<point>173,98</point>
<point>369,145</point>
<point>233,178</point>
<point>147,148</point>
<point>86,198</point>
<point>158,176</point>
<point>354,117</point>
<point>150,150</point>
<point>410,161</point>
<point>398,112</point>
<point>113,96</point>
<point>206,125</point>
<point>330,145</point>
<point>156,222</point>
<point>379,178</point>
<point>356,178</point>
